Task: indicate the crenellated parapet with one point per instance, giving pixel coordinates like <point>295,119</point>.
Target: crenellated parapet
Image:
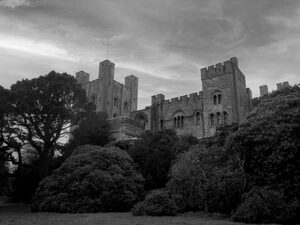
<point>219,69</point>
<point>160,98</point>
<point>82,77</point>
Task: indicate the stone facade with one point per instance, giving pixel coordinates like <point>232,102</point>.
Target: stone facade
<point>263,90</point>
<point>110,96</point>
<point>224,99</point>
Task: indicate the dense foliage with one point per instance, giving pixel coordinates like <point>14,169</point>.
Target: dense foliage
<point>38,113</point>
<point>264,205</point>
<point>92,179</point>
<point>201,179</point>
<point>93,129</point>
<point>154,152</point>
<point>157,203</point>
<point>250,170</point>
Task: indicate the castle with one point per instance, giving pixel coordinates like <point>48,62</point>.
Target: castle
<point>224,99</point>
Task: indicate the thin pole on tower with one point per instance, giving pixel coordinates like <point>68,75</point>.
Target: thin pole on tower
<point>107,49</point>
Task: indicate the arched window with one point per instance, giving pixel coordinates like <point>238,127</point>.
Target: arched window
<point>212,119</point>
<point>126,107</point>
<point>219,98</point>
<point>161,124</point>
<point>142,119</point>
<point>197,117</point>
<point>218,118</point>
<point>215,99</point>
<point>178,118</point>
<point>93,99</point>
<point>116,101</point>
<point>225,117</point>
<point>143,124</point>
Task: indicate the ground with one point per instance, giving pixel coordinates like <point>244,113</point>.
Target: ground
<point>21,215</point>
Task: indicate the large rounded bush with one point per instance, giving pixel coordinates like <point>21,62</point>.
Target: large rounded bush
<point>92,179</point>
<point>156,203</point>
<point>263,205</point>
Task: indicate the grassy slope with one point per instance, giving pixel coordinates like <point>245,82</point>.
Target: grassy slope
<point>21,216</point>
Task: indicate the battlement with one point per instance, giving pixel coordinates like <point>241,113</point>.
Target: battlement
<point>82,77</point>
<point>157,98</point>
<point>219,68</point>
<point>282,85</point>
<point>130,79</point>
<point>184,98</point>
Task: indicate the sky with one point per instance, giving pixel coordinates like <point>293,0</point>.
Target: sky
<point>163,42</point>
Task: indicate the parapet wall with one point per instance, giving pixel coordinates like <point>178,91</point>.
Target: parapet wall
<point>82,77</point>
<point>219,69</point>
<point>160,98</point>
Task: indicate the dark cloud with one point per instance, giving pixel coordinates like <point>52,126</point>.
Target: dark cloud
<point>165,43</point>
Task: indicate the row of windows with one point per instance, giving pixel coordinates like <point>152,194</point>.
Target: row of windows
<point>178,121</point>
<point>217,99</point>
<point>218,118</point>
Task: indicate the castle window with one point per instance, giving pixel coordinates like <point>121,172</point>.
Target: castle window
<point>115,115</point>
<point>143,124</point>
<point>93,99</point>
<point>126,107</point>
<point>212,119</point>
<point>161,124</point>
<point>219,98</point>
<point>215,99</point>
<point>175,122</point>
<point>225,117</point>
<point>178,121</point>
<point>116,102</point>
<point>218,118</point>
<point>197,117</point>
<point>182,119</point>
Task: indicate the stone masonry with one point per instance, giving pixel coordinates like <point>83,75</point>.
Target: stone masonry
<point>224,99</point>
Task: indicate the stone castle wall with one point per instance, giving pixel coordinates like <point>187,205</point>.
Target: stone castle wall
<point>224,99</point>
<point>108,95</point>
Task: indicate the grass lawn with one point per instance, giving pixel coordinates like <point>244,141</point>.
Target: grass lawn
<point>20,215</point>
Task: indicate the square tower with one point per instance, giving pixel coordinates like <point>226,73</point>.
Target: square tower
<point>224,95</point>
<point>105,87</point>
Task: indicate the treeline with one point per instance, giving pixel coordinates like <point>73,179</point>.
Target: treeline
<point>249,171</point>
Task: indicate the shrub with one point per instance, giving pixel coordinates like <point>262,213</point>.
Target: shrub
<point>262,205</point>
<point>93,179</point>
<point>223,191</point>
<point>153,154</point>
<point>156,203</point>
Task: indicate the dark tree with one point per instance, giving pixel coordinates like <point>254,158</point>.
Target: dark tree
<point>154,153</point>
<point>269,142</point>
<point>39,113</point>
<point>94,129</point>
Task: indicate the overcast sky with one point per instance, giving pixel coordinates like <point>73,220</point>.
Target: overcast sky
<point>163,42</point>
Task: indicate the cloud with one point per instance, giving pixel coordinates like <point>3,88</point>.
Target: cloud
<point>14,3</point>
<point>164,43</point>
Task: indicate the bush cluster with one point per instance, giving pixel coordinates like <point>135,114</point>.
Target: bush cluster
<point>92,179</point>
<point>157,203</point>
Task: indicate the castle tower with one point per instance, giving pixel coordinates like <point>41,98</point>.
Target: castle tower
<point>132,83</point>
<point>224,95</point>
<point>82,77</point>
<point>263,89</point>
<point>105,87</point>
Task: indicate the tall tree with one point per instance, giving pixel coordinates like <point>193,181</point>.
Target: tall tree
<point>39,114</point>
<point>93,129</point>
